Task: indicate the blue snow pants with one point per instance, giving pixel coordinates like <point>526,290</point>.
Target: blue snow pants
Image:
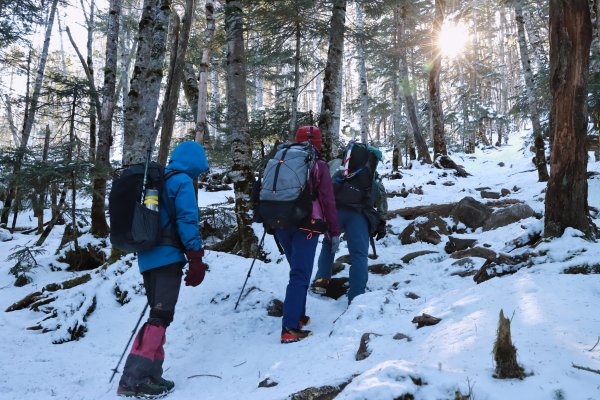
<point>300,248</point>
<point>355,225</point>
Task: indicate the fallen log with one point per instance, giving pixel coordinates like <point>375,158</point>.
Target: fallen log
<point>443,210</point>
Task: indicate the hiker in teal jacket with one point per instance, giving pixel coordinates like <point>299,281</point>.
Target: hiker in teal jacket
<point>161,268</point>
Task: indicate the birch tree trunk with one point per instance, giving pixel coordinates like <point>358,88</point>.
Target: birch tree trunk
<point>215,100</point>
<point>237,116</point>
<point>294,111</point>
<point>540,156</point>
<point>362,73</point>
<point>333,69</point>
<point>567,191</point>
<point>202,112</point>
<point>174,83</point>
<point>99,226</point>
<point>435,98</point>
<point>411,110</point>
<point>30,113</point>
<point>141,109</point>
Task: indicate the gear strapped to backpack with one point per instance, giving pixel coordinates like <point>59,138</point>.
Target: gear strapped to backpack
<point>353,181</point>
<point>357,186</point>
<point>133,226</point>
<point>285,195</point>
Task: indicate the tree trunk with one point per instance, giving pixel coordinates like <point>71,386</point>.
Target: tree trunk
<point>435,98</point>
<point>99,226</point>
<point>30,114</point>
<point>411,110</point>
<point>125,49</point>
<point>294,111</point>
<point>142,104</point>
<point>202,111</point>
<point>567,191</point>
<point>190,88</point>
<point>540,156</point>
<point>362,75</point>
<point>43,188</point>
<point>504,76</point>
<point>215,100</point>
<point>89,19</point>
<point>174,83</point>
<point>237,116</point>
<point>333,69</point>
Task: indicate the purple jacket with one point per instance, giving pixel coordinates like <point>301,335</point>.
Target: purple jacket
<point>324,204</point>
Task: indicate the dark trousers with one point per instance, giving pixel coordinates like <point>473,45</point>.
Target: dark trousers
<point>147,354</point>
<point>300,249</point>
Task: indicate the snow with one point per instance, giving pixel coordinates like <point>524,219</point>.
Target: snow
<point>214,352</point>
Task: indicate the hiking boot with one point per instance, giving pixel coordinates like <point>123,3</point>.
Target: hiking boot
<point>319,286</point>
<point>148,389</point>
<point>290,335</point>
<point>304,320</point>
<point>170,385</point>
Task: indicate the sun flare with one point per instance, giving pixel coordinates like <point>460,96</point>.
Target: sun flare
<point>453,39</point>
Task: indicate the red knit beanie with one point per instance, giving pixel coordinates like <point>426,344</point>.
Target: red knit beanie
<point>309,134</point>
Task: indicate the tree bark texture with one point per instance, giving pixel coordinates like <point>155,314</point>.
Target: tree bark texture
<point>190,88</point>
<point>435,98</point>
<point>109,97</point>
<point>202,110</point>
<point>333,69</point>
<point>89,19</point>
<point>540,154</point>
<point>294,111</point>
<point>30,113</point>
<point>237,116</point>
<point>215,99</point>
<point>411,109</point>
<point>174,82</point>
<point>362,74</point>
<point>142,105</point>
<point>567,191</point>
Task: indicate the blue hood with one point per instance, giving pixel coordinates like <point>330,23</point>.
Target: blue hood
<point>190,158</point>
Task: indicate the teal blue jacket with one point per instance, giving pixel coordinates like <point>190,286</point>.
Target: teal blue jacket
<point>178,190</point>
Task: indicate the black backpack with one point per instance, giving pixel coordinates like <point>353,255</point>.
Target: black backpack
<point>353,182</point>
<point>133,226</point>
<point>283,196</point>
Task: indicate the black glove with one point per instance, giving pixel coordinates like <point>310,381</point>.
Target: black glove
<point>381,230</point>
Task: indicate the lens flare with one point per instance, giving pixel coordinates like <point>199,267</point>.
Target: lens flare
<point>453,39</point>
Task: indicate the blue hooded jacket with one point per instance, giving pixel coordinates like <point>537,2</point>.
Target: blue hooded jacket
<point>178,190</point>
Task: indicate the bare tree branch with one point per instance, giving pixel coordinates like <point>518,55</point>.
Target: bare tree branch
<point>88,75</point>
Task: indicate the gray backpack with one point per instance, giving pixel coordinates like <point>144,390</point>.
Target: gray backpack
<point>285,197</point>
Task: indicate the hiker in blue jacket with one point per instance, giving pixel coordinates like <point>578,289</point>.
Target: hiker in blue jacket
<point>161,268</point>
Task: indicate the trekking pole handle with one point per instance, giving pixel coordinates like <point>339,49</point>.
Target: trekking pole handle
<point>146,174</point>
<point>250,270</point>
<point>116,369</point>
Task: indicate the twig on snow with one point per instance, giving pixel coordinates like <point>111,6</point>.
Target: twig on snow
<point>597,341</point>
<point>596,371</point>
<point>197,376</point>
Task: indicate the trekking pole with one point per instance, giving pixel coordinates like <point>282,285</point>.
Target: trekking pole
<point>373,247</point>
<point>116,369</point>
<point>250,270</point>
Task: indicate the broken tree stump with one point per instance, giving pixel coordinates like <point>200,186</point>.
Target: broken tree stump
<point>505,353</point>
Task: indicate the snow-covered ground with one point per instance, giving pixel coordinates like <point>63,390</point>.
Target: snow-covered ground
<point>214,352</point>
